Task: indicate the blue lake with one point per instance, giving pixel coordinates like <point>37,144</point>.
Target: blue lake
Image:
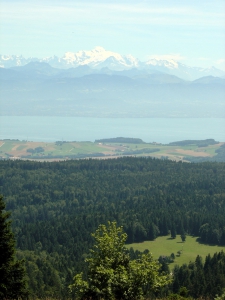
<point>163,130</point>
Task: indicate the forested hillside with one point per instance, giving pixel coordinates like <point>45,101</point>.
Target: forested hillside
<point>56,206</point>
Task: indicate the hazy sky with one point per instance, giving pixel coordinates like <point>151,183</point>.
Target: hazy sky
<point>191,31</point>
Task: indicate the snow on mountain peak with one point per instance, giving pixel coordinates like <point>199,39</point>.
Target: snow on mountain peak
<point>100,58</point>
<point>97,56</point>
<point>69,57</point>
<point>6,57</point>
<point>169,63</point>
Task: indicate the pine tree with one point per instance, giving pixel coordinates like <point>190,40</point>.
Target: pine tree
<point>173,231</point>
<point>152,232</point>
<point>12,284</point>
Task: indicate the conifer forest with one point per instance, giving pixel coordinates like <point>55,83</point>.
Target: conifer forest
<point>57,206</point>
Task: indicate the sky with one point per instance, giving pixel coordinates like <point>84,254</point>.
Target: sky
<point>192,32</point>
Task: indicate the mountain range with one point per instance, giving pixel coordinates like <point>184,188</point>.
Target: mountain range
<point>99,58</point>
<point>40,89</point>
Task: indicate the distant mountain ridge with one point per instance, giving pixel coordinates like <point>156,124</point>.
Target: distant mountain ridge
<point>99,58</point>
<point>39,89</point>
<point>43,71</point>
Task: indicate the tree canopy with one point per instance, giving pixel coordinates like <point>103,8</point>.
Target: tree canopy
<point>111,272</point>
<point>56,205</point>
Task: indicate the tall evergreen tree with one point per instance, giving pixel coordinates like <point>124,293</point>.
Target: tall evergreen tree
<point>12,282</point>
<point>173,231</point>
<point>152,234</point>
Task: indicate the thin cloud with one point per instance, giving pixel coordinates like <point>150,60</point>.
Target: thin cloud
<point>175,57</point>
<point>110,13</point>
<point>203,58</point>
<point>220,61</point>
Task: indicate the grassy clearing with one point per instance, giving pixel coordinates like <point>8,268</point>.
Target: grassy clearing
<point>164,245</point>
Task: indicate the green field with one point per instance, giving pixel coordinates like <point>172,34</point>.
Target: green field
<point>165,246</point>
<point>67,150</point>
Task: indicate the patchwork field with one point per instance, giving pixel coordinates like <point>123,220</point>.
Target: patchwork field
<point>15,149</point>
<point>165,246</point>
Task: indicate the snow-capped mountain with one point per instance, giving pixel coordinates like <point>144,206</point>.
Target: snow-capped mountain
<point>99,58</point>
<point>8,61</point>
<point>96,58</point>
<point>178,69</point>
<point>170,64</point>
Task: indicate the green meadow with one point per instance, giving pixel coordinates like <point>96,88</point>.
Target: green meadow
<point>165,246</point>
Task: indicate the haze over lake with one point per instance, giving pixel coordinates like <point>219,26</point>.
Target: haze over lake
<point>162,130</point>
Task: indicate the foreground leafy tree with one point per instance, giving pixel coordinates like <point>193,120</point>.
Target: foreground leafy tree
<point>222,297</point>
<point>111,273</point>
<point>12,282</point>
